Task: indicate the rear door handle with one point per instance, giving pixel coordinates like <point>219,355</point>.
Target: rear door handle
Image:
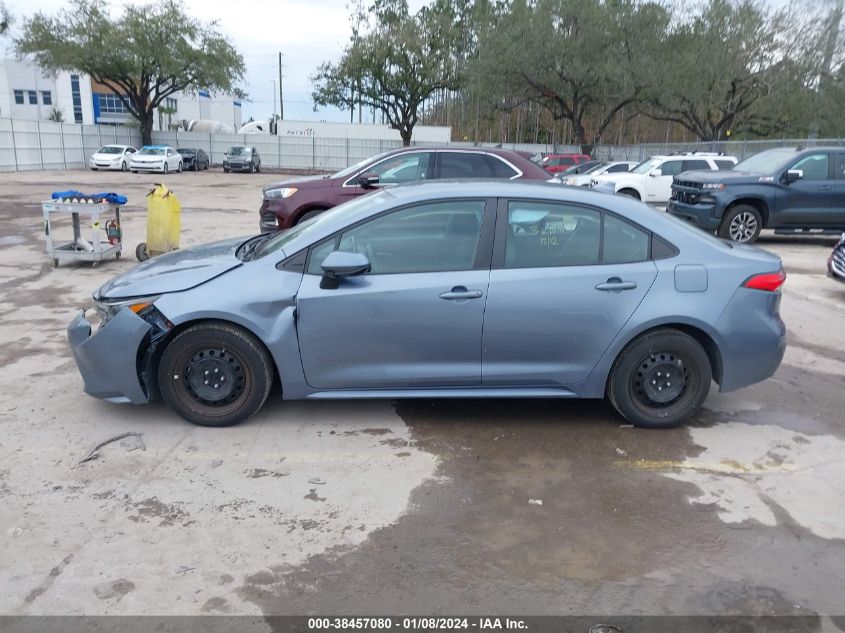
<point>615,283</point>
<point>825,187</point>
<point>461,292</point>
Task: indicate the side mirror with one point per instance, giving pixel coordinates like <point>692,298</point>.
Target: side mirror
<point>655,173</point>
<point>792,175</point>
<point>368,181</point>
<point>339,264</point>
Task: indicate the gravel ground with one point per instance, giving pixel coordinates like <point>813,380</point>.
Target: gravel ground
<point>413,507</point>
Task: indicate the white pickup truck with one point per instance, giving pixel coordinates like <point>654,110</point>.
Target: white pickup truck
<point>651,180</point>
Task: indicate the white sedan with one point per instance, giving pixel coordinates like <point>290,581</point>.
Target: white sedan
<point>162,158</point>
<point>112,157</point>
<point>611,167</point>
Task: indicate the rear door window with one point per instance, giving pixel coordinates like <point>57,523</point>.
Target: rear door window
<point>465,165</point>
<point>622,242</point>
<point>840,165</point>
<point>499,168</point>
<point>690,165</point>
<point>541,234</point>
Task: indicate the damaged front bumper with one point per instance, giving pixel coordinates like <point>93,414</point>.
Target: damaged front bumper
<point>108,360</point>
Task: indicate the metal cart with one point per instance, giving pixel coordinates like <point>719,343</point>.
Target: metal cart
<point>97,216</point>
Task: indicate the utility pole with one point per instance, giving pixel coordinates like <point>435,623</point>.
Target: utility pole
<point>273,123</point>
<point>281,94</point>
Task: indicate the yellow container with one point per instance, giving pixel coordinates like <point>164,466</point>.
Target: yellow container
<point>164,214</point>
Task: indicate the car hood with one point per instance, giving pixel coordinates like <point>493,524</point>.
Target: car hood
<point>727,176</point>
<point>305,182</point>
<point>174,271</point>
<point>99,156</point>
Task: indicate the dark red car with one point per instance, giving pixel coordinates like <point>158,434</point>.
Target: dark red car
<point>554,163</point>
<point>287,203</point>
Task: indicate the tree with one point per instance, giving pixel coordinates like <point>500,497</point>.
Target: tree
<point>731,68</point>
<point>583,60</point>
<point>401,61</point>
<point>5,19</point>
<point>145,55</point>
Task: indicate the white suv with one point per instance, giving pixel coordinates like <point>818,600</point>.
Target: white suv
<point>651,180</point>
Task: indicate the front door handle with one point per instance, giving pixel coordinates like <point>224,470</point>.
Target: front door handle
<point>615,283</point>
<point>461,292</point>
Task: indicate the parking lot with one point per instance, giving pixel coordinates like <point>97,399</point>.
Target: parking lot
<point>429,507</point>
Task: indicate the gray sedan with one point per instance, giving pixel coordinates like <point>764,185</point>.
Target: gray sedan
<point>447,290</point>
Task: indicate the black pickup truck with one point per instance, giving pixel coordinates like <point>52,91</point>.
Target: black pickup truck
<point>791,190</point>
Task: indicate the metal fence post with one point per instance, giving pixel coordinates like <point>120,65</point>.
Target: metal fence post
<point>347,152</point>
<point>62,144</point>
<point>278,149</point>
<point>40,145</point>
<point>14,145</point>
<point>313,153</point>
<point>81,145</point>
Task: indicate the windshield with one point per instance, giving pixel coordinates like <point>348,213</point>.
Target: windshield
<point>767,162</point>
<point>646,166</point>
<point>343,173</point>
<point>110,149</point>
<point>152,151</point>
<point>315,225</point>
<point>238,151</point>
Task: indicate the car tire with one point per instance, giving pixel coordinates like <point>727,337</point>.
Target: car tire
<point>141,252</point>
<point>648,366</point>
<point>166,168</point>
<point>308,215</point>
<point>93,169</point>
<point>123,166</point>
<point>225,170</point>
<point>631,193</point>
<point>179,167</point>
<point>215,374</point>
<point>252,168</point>
<point>258,168</point>
<point>741,223</point>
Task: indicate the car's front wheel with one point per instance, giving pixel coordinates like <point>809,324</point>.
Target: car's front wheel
<point>123,166</point>
<point>660,379</point>
<point>742,223</point>
<point>215,374</point>
<point>165,169</point>
<point>179,168</point>
<point>631,193</point>
<point>308,215</point>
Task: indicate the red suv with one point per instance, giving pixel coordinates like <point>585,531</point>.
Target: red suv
<point>554,163</point>
<point>287,203</point>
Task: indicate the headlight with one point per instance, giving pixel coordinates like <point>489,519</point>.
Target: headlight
<point>285,192</point>
<point>107,310</point>
<point>713,186</point>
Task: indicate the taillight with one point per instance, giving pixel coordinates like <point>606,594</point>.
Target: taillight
<point>767,281</point>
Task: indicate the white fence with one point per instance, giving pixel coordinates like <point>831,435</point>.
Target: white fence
<point>36,145</point>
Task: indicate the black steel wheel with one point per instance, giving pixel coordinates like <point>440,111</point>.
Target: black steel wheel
<point>660,379</point>
<point>215,374</point>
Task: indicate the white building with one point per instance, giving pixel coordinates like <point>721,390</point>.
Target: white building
<point>25,93</point>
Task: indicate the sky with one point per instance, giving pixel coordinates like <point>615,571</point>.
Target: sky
<point>306,32</point>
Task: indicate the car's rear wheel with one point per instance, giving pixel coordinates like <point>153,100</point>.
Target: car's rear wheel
<point>309,214</point>
<point>742,223</point>
<point>660,379</point>
<point>631,193</point>
<point>215,374</point>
